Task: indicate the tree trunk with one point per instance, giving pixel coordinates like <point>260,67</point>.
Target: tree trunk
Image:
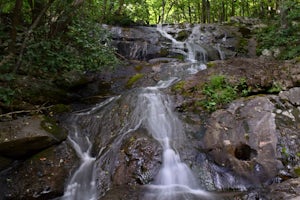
<point>15,23</point>
<point>208,11</point>
<point>232,8</point>
<point>163,4</point>
<point>103,15</point>
<point>203,11</point>
<point>120,8</point>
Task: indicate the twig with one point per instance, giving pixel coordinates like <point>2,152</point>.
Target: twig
<point>25,111</point>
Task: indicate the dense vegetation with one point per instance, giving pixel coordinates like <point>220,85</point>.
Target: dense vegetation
<point>45,39</point>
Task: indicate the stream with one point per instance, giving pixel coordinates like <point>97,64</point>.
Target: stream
<point>152,110</point>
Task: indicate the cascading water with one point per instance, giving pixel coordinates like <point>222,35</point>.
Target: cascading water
<point>193,52</point>
<point>81,186</point>
<point>174,180</point>
<point>152,110</point>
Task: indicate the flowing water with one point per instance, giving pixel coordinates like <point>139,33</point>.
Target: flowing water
<point>152,110</point>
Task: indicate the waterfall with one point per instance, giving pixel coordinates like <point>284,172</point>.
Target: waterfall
<point>193,53</point>
<point>152,110</point>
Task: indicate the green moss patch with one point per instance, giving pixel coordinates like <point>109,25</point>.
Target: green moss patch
<point>134,79</point>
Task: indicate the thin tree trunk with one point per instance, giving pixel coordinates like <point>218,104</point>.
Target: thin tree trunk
<point>203,11</point>
<point>103,16</point>
<point>163,4</point>
<point>15,23</point>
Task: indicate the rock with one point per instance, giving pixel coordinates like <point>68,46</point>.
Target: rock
<point>5,163</point>
<point>243,138</point>
<point>145,43</point>
<point>25,136</point>
<point>42,176</point>
<point>139,161</point>
<point>292,95</point>
<point>289,189</point>
<point>135,163</point>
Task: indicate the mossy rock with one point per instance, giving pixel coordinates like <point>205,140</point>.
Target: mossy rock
<point>210,64</point>
<point>178,87</point>
<point>132,80</point>
<point>164,52</point>
<point>138,68</point>
<point>183,35</point>
<point>297,171</point>
<point>51,126</point>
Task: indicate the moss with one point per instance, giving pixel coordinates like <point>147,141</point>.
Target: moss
<point>179,57</point>
<point>178,87</point>
<point>60,108</point>
<point>134,79</point>
<point>182,35</point>
<point>138,68</point>
<point>210,64</point>
<point>50,125</point>
<point>297,171</point>
<point>242,46</point>
<point>164,52</point>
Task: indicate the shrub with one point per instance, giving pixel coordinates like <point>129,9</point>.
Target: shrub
<point>86,46</point>
<point>218,92</point>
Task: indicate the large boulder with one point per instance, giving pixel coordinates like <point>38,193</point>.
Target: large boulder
<point>25,136</point>
<point>243,138</point>
<point>41,176</point>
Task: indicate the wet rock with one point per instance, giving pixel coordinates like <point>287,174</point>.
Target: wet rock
<point>141,42</point>
<point>135,162</point>
<point>146,43</point>
<point>26,136</point>
<point>139,161</point>
<point>42,176</point>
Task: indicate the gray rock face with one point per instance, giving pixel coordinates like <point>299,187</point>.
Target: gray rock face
<point>145,43</point>
<point>293,96</point>
<point>244,138</point>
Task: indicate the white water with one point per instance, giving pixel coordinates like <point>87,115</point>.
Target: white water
<point>193,52</point>
<point>81,185</point>
<point>175,180</point>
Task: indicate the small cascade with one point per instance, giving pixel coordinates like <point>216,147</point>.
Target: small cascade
<point>174,180</point>
<point>192,52</point>
<point>82,183</point>
<point>221,53</point>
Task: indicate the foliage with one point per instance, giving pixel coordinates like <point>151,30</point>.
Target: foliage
<point>284,36</point>
<point>46,39</point>
<point>84,47</point>
<point>6,95</point>
<point>218,92</point>
<point>276,88</point>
